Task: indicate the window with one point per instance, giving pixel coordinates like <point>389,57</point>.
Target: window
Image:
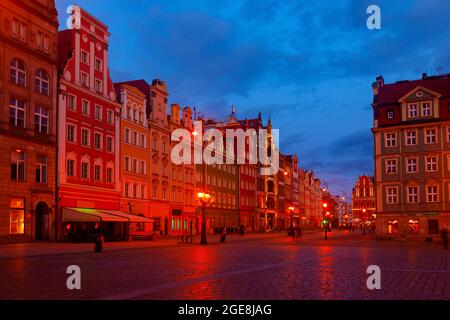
<point>134,190</point>
<point>71,102</point>
<point>430,136</point>
<point>85,137</point>
<point>411,165</point>
<point>98,64</point>
<point>85,107</point>
<point>110,117</point>
<point>18,165</point>
<point>390,115</point>
<point>98,112</point>
<point>135,138</point>
<point>70,168</point>
<point>391,166</point>
<point>431,164</point>
<point>391,140</point>
<point>41,82</point>
<point>127,135</point>
<point>97,173</point>
<point>413,194</point>
<point>23,32</point>
<point>126,191</point>
<point>40,40</point>
<point>17,216</point>
<point>391,195</point>
<point>70,133</point>
<point>98,86</point>
<point>426,109</point>
<point>411,138</point>
<point>135,166</point>
<point>155,144</point>
<point>164,193</point>
<point>46,48</point>
<point>84,170</point>
<point>15,28</point>
<point>41,169</point>
<point>41,120</point>
<point>413,226</point>
<point>17,113</point>
<point>142,167</point>
<point>154,192</point>
<point>109,144</point>
<point>164,147</point>
<point>412,110</point>
<point>109,175</point>
<point>84,57</point>
<point>127,164</point>
<point>18,73</point>
<point>98,140</point>
<point>84,79</point>
<point>432,194</point>
<point>135,116</point>
<point>142,191</point>
<point>143,141</point>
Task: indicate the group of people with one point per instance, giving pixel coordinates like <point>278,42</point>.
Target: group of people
<point>295,231</point>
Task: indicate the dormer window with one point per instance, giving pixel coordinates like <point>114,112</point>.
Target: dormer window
<point>412,110</point>
<point>390,114</point>
<point>426,109</point>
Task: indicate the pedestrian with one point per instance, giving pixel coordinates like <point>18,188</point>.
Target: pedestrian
<point>224,235</point>
<point>444,234</point>
<point>292,232</point>
<point>242,230</point>
<point>299,233</point>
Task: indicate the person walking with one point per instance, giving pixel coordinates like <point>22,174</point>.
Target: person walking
<point>292,232</point>
<point>224,235</point>
<point>444,234</point>
<point>299,233</point>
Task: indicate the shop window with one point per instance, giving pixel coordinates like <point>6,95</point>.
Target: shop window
<point>17,215</point>
<point>413,226</point>
<point>392,227</point>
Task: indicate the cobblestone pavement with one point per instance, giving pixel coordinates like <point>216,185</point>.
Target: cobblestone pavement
<point>264,267</point>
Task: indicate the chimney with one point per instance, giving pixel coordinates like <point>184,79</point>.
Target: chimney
<point>187,117</point>
<point>424,75</point>
<point>175,113</point>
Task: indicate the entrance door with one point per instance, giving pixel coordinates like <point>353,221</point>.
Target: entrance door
<point>42,230</point>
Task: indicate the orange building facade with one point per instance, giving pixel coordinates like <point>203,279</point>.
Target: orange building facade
<point>28,87</point>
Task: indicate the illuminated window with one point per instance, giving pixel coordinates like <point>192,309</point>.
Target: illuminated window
<point>17,216</point>
<point>390,115</point>
<point>392,227</point>
<point>413,226</point>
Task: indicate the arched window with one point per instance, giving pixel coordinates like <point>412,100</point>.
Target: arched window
<point>41,82</point>
<point>18,73</point>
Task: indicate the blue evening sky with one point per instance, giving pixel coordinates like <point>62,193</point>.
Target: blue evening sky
<point>309,65</point>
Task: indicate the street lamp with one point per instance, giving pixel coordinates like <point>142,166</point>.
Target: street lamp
<point>291,210</point>
<point>204,198</point>
<point>325,220</point>
<point>364,219</point>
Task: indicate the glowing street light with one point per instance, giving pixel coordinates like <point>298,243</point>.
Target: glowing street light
<point>205,198</point>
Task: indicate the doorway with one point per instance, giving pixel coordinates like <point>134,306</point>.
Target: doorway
<point>42,220</point>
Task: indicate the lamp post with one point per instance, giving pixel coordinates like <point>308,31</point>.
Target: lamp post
<point>325,227</point>
<point>291,210</point>
<point>204,198</point>
<point>364,220</point>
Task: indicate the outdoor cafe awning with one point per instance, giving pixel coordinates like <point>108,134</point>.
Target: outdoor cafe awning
<point>89,215</point>
<point>128,216</point>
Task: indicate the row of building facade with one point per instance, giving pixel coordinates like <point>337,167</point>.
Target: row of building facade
<point>80,153</point>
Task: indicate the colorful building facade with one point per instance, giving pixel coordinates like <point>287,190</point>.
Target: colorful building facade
<point>28,90</point>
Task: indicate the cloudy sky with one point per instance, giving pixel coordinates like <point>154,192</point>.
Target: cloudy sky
<point>309,65</point>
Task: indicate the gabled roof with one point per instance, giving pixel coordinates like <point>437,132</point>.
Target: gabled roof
<point>392,93</point>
